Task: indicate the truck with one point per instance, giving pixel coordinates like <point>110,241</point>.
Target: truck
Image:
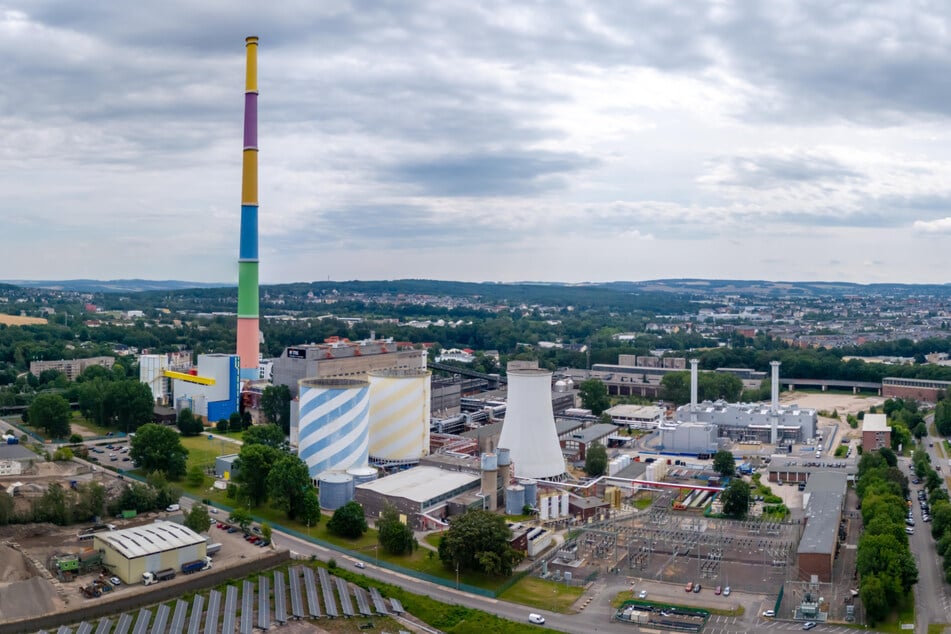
<point>148,578</point>
<point>196,566</point>
<point>211,549</point>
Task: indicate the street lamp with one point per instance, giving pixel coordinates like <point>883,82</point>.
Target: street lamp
<point>457,575</point>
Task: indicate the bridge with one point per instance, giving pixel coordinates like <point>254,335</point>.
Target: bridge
<point>825,384</point>
<point>493,379</point>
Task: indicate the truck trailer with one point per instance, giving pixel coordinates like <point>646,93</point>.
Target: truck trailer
<point>196,566</point>
<point>148,578</point>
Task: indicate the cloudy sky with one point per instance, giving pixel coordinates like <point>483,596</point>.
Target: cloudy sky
<point>562,141</point>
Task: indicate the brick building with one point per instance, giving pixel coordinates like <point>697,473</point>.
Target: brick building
<point>875,432</point>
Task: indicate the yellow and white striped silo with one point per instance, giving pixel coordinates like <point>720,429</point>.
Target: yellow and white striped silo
<point>399,415</point>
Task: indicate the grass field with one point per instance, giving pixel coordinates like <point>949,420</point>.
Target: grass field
<point>17,320</point>
<point>549,595</point>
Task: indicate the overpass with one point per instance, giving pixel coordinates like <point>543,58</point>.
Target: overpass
<point>493,379</point>
<point>825,384</point>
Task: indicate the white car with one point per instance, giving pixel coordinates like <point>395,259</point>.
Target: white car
<point>116,581</point>
<point>359,564</point>
<point>769,613</point>
<point>537,619</point>
<point>642,594</point>
<point>171,508</point>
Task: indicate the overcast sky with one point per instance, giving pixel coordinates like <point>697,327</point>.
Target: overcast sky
<point>557,141</point>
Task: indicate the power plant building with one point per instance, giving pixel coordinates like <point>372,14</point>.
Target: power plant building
<point>399,416</point>
<point>148,548</point>
<point>421,494</point>
<point>217,399</point>
<point>340,358</point>
<point>688,438</point>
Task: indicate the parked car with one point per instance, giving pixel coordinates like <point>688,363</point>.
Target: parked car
<point>360,564</point>
<point>232,529</point>
<point>909,530</point>
<point>808,625</point>
<point>769,613</point>
<point>171,508</point>
<point>717,590</point>
<point>642,594</point>
<point>696,587</point>
<point>726,591</point>
<point>537,619</point>
<point>116,581</point>
<point>688,587</point>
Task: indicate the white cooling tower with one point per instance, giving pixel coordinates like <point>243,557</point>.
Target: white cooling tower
<point>399,414</point>
<point>529,428</point>
<point>334,424</point>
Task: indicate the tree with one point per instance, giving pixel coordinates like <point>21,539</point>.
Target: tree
<point>276,406</point>
<point>270,435</point>
<point>890,458</point>
<point>75,439</point>
<point>50,412</point>
<point>266,531</point>
<point>234,422</point>
<point>130,404</point>
<point>198,519</point>
<point>594,396</point>
<point>195,477</point>
<point>222,426</point>
<point>874,598</point>
<point>159,448</point>
<point>348,521</point>
<point>188,425</point>
<point>54,506</point>
<point>241,517</point>
<point>63,454</point>
<point>479,541</point>
<point>724,463</point>
<point>287,483</point>
<point>165,493</point>
<point>596,460</point>
<point>394,536</point>
<point>91,501</point>
<point>252,469</point>
<point>736,498</point>
<point>310,508</point>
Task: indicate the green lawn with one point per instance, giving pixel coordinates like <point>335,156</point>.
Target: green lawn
<point>202,452</point>
<point>541,593</point>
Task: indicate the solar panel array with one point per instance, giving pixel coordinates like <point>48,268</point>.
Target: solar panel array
<point>231,609</point>
<point>168,621</point>
<point>280,601</point>
<point>264,603</point>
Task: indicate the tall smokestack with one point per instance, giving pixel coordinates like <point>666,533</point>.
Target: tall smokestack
<point>694,380</point>
<point>248,328</point>
<point>774,404</point>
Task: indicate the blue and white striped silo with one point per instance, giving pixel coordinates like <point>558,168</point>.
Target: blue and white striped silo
<point>334,424</point>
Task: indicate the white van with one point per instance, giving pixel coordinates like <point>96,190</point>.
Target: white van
<point>171,508</point>
<point>537,619</point>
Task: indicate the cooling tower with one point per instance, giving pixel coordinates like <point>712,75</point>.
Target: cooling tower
<point>334,424</point>
<point>248,294</point>
<point>529,428</point>
<point>399,415</point>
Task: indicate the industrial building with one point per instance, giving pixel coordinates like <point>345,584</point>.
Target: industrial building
<point>575,444</point>
<point>399,416</point>
<point>420,494</point>
<point>743,422</point>
<point>152,372</point>
<point>689,438</point>
<point>823,500</point>
<point>341,358</point>
<point>212,391</point>
<point>226,466</point>
<point>152,547</point>
<point>875,432</point>
<point>788,469</point>
<point>15,459</point>
<point>917,389</point>
<point>636,416</point>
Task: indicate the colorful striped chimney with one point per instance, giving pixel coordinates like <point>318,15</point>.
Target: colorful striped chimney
<point>248,328</point>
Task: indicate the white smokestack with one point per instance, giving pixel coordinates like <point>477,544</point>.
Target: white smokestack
<point>529,428</point>
<point>774,403</point>
<point>694,381</point>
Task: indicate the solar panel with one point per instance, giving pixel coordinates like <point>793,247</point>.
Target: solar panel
<point>211,615</point>
<point>264,603</point>
<point>311,585</point>
<point>280,603</point>
<point>105,624</point>
<point>346,606</point>
<point>84,628</point>
<point>194,623</point>
<point>297,605</point>
<point>247,607</point>
<point>330,604</point>
<point>161,618</point>
<point>64,630</point>
<point>178,619</point>
<point>231,609</point>
<point>378,603</point>
<point>396,606</point>
<point>142,621</point>
<point>362,605</point>
<point>125,622</point>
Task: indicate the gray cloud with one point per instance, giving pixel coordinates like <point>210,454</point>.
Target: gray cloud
<point>770,171</point>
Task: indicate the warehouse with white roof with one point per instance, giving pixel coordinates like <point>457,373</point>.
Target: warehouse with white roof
<point>418,493</point>
<point>152,547</point>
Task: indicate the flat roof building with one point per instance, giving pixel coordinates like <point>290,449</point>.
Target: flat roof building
<point>823,500</point>
<point>420,494</point>
<point>636,416</point>
<point>875,432</point>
